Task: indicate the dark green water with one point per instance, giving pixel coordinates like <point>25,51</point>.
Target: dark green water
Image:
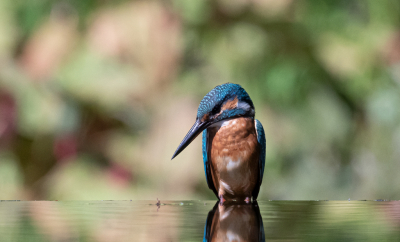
<point>186,220</point>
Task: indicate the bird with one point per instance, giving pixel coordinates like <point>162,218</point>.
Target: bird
<point>233,143</point>
<point>234,222</point>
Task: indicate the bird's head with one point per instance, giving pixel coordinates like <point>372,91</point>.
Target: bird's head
<point>226,101</point>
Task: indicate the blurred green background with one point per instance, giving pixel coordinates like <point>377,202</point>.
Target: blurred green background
<point>96,95</point>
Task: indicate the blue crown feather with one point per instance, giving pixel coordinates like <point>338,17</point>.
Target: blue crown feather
<point>219,95</point>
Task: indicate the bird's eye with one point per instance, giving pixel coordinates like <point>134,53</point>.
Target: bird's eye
<point>216,109</point>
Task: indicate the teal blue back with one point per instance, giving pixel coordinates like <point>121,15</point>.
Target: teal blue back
<point>207,170</point>
<point>261,161</point>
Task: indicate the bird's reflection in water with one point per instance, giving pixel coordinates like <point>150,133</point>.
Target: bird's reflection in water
<point>234,222</point>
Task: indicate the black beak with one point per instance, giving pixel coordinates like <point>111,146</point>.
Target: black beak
<point>196,129</point>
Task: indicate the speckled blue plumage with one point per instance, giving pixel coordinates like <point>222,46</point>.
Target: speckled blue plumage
<point>204,149</point>
<point>219,95</point>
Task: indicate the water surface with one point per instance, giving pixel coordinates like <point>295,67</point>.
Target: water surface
<point>194,220</point>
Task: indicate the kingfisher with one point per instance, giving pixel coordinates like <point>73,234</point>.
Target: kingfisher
<point>233,143</point>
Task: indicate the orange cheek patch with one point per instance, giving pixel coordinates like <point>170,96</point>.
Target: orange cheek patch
<point>205,117</point>
<point>230,104</point>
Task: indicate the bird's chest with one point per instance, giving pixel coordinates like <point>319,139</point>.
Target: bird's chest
<point>234,154</point>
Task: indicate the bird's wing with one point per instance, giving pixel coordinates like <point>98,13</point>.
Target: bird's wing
<point>261,159</point>
<point>206,161</point>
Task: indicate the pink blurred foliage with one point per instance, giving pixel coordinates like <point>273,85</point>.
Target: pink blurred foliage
<point>145,34</point>
<point>119,175</point>
<point>65,148</point>
<point>48,47</point>
<point>8,117</point>
<point>391,51</point>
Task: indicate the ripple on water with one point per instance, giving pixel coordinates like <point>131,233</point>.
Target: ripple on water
<point>185,220</point>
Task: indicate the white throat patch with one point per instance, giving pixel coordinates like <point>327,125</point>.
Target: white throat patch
<point>243,105</point>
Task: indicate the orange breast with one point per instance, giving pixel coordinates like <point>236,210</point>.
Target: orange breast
<point>234,154</point>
